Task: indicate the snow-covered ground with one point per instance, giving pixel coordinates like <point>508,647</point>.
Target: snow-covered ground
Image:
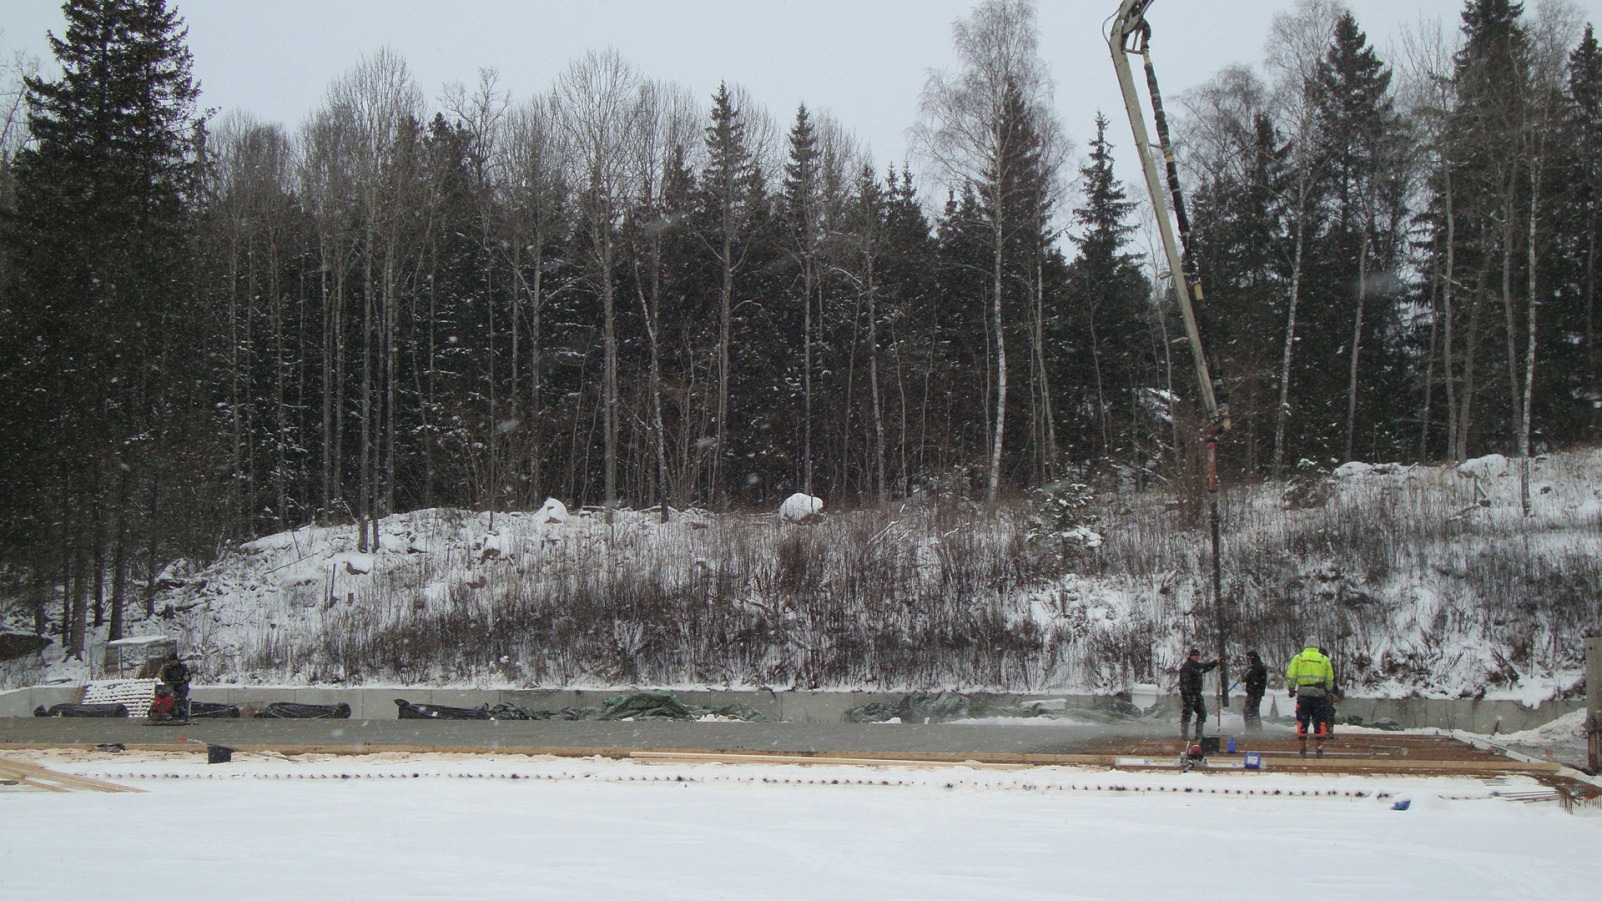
<point>436,826</point>
<point>1425,581</point>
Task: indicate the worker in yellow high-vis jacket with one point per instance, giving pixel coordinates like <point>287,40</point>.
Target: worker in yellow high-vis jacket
<point>1310,678</point>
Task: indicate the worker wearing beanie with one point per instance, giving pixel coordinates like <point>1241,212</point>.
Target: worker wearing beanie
<point>1190,693</point>
<point>1256,686</point>
<point>1309,679</point>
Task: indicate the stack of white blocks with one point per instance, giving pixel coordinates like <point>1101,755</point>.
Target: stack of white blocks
<point>135,694</point>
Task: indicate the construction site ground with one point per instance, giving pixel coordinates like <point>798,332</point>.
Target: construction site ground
<point>988,743</point>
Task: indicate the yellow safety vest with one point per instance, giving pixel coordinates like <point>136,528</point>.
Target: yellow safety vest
<point>1310,670</point>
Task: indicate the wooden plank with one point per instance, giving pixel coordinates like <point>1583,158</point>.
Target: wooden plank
<point>782,759</point>
<point>33,773</point>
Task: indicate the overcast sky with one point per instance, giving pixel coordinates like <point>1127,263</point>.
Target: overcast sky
<point>864,61</point>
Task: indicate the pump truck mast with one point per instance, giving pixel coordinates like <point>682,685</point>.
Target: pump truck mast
<point>1129,35</point>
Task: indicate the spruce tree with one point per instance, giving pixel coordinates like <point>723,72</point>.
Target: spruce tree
<point>1574,408</point>
<point>100,306</point>
<point>1359,135</point>
<point>801,213</point>
<point>1109,295</point>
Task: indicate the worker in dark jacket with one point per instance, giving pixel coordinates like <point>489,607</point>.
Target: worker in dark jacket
<point>1256,687</point>
<point>1190,693</point>
<point>175,675</point>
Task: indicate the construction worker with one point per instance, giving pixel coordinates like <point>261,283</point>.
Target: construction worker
<point>175,675</point>
<point>1190,694</point>
<point>1309,679</point>
<point>1256,686</point>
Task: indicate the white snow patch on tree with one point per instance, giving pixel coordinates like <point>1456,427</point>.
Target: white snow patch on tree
<point>800,507</point>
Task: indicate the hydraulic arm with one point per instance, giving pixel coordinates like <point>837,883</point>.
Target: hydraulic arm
<point>1130,35</point>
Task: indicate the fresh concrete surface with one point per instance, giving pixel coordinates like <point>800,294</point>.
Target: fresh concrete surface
<point>573,736</point>
<point>1485,717</point>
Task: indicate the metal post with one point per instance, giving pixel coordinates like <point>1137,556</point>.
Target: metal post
<point>1593,697</point>
<point>1217,579</point>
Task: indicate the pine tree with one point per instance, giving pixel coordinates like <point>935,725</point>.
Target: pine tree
<point>1585,234</point>
<point>1109,295</point>
<point>801,203</point>
<point>733,204</point>
<point>1490,76</point>
<point>1360,137</point>
<point>1572,407</point>
<point>106,336</point>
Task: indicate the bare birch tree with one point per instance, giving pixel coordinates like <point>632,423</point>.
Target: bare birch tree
<point>967,134</point>
<point>600,103</point>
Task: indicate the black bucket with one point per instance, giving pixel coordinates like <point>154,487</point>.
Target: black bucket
<point>1209,744</point>
<point>218,754</point>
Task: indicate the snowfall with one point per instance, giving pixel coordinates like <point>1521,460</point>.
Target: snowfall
<point>390,825</point>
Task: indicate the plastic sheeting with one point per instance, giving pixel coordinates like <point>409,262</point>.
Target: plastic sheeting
<point>108,710</point>
<point>210,710</point>
<point>285,710</point>
<point>410,711</point>
<point>638,705</point>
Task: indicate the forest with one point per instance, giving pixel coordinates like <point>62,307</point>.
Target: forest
<point>623,295</point>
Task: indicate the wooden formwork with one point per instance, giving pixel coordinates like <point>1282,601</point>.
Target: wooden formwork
<point>35,776</point>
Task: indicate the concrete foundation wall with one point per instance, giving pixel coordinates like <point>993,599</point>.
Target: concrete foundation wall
<point>791,706</point>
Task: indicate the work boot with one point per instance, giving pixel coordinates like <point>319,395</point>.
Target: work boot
<point>1304,749</point>
<point>1320,751</point>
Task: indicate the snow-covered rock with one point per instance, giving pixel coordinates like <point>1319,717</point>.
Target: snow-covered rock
<point>800,507</point>
<point>552,510</point>
<point>354,564</point>
<point>1487,467</point>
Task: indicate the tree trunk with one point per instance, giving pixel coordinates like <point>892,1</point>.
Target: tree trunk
<point>725,328</point>
<point>996,440</point>
<point>1282,412</point>
<point>1357,345</point>
<point>1515,394</point>
<point>873,381</point>
<point>1529,346</point>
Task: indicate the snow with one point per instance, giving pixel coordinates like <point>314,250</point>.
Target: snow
<point>1489,466</point>
<point>397,826</point>
<point>268,611</point>
<point>800,507</point>
<point>1566,727</point>
<point>552,510</point>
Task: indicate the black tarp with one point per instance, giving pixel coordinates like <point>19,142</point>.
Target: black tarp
<point>108,710</point>
<point>638,705</point>
<point>212,710</point>
<point>410,711</point>
<point>286,710</point>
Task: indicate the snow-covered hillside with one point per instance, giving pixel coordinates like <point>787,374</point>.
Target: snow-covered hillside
<point>1419,580</point>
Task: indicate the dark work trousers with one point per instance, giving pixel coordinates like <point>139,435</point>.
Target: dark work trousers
<point>1312,717</point>
<point>1253,712</point>
<point>1188,705</point>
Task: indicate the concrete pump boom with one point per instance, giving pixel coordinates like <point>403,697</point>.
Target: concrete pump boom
<point>1130,34</point>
